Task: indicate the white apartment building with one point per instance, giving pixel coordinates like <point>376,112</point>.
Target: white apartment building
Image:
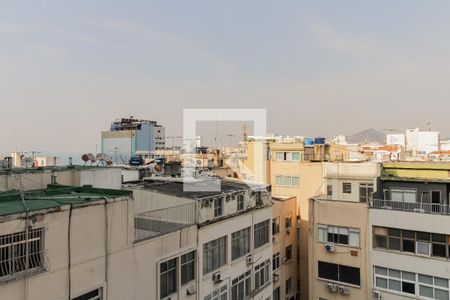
<point>410,226</point>
<point>234,238</point>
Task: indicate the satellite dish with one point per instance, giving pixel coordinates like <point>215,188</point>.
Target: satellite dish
<point>92,157</point>
<point>85,158</point>
<point>26,161</point>
<point>158,168</point>
<point>101,157</point>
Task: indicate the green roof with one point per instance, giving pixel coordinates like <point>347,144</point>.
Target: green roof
<point>54,196</point>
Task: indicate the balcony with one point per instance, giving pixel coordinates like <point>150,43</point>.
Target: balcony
<point>155,223</point>
<point>417,207</point>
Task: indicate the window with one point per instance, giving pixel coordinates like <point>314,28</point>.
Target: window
<point>295,155</point>
<point>261,234</point>
<point>276,261</point>
<point>329,190</point>
<point>339,273</point>
<point>168,278</point>
<point>411,283</point>
<point>218,207</point>
<point>276,294</point>
<point>295,181</point>
<point>262,273</point>
<point>288,221</point>
<point>219,294</point>
<point>347,188</point>
<point>187,267</point>
<point>403,195</point>
<point>279,180</point>
<point>416,242</point>
<point>288,286</point>
<point>240,243</point>
<point>287,181</point>
<point>14,259</point>
<point>241,286</point>
<point>240,202</point>
<point>338,235</point>
<point>92,295</point>
<point>365,192</point>
<point>275,225</point>
<point>288,253</point>
<point>280,155</point>
<point>214,254</point>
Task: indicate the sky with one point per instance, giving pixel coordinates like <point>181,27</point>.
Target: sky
<point>69,68</point>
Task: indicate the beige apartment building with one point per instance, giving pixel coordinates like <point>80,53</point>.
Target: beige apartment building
<point>338,232</point>
<point>284,240</point>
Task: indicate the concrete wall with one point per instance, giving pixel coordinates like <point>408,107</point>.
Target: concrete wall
<point>286,237</point>
<point>345,214</point>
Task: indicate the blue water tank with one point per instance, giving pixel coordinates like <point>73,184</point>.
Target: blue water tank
<point>136,161</point>
<point>309,142</point>
<point>319,141</point>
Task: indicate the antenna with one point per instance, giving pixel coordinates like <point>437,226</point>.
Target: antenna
<point>428,122</point>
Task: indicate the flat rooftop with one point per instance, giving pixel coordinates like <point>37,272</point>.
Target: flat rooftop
<point>54,196</point>
<point>17,170</point>
<point>176,188</point>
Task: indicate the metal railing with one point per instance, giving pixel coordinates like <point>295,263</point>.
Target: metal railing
<point>431,208</point>
<point>161,221</point>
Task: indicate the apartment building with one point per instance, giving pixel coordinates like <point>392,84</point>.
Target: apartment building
<point>338,238</point>
<point>234,253</point>
<point>409,220</point>
<point>80,243</point>
<point>284,239</point>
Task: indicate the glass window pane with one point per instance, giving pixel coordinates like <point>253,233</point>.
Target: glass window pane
<point>354,239</point>
<point>394,243</point>
<point>440,294</point>
<point>381,282</point>
<point>442,282</point>
<point>409,246</point>
<point>425,279</point>
<point>394,273</point>
<point>426,291</point>
<point>394,285</point>
<point>408,287</point>
<point>381,271</point>
<point>409,276</point>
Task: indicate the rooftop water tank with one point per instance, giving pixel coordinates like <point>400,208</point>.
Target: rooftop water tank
<point>309,143</point>
<point>319,141</point>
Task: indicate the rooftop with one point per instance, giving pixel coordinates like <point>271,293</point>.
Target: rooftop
<point>16,170</point>
<point>195,191</point>
<point>54,196</point>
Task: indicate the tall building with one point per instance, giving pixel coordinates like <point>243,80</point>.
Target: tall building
<point>129,137</point>
<point>338,235</point>
<point>410,232</point>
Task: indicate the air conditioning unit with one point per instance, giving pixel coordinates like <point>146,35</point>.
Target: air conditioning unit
<point>285,260</point>
<point>249,259</point>
<point>330,248</point>
<point>191,290</point>
<point>275,277</point>
<point>376,295</point>
<point>344,290</point>
<point>332,288</point>
<point>216,277</point>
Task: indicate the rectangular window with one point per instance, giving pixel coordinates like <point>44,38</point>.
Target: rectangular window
<point>219,294</point>
<point>288,221</point>
<point>261,234</point>
<point>262,274</point>
<point>275,225</point>
<point>410,283</point>
<point>347,188</point>
<point>168,278</point>
<point>339,273</point>
<point>14,259</point>
<point>288,253</point>
<point>214,254</point>
<point>365,192</point>
<point>241,286</point>
<point>240,243</point>
<point>338,235</point>
<point>240,202</point>
<point>279,180</point>
<point>288,286</point>
<point>287,181</point>
<point>276,294</point>
<point>276,261</point>
<point>403,195</point>
<point>329,190</point>
<point>188,267</point>
<point>295,155</point>
<point>218,207</point>
<point>295,181</point>
<point>92,295</point>
<point>280,156</point>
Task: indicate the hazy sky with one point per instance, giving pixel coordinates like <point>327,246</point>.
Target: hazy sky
<point>68,68</point>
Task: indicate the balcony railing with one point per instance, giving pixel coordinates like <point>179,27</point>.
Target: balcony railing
<point>158,222</point>
<point>430,208</point>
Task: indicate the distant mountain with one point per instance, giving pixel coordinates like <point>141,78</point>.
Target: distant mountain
<point>367,136</point>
